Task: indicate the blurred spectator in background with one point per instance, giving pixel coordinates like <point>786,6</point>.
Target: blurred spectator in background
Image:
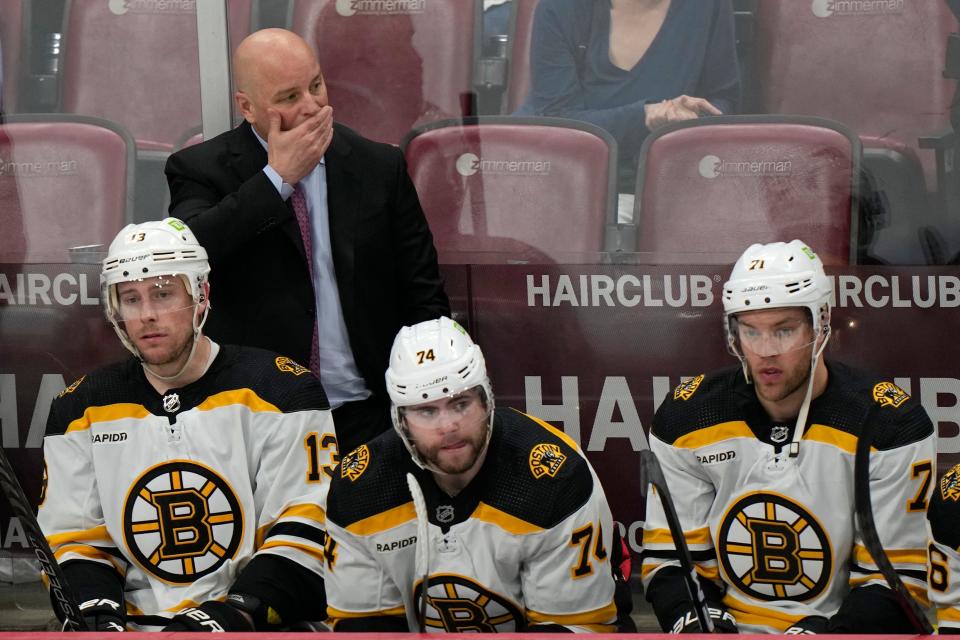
<point>630,66</point>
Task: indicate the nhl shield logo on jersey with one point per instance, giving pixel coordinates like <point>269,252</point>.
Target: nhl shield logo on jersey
<point>72,387</point>
<point>772,548</point>
<point>456,604</point>
<point>950,484</point>
<point>546,460</point>
<point>288,365</point>
<point>888,394</point>
<point>686,389</point>
<point>181,521</point>
<point>355,463</point>
<point>171,402</point>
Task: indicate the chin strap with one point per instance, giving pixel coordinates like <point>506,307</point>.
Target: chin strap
<point>807,398</point>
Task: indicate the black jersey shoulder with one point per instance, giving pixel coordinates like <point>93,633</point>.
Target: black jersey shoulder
<point>532,472</point>
<point>703,401</point>
<point>854,396</point>
<point>276,379</point>
<point>944,509</point>
<point>118,383</point>
<point>370,480</point>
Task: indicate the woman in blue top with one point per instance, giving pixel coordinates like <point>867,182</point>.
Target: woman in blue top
<point>632,65</point>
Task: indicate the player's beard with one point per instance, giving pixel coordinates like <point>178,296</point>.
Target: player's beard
<point>174,353</point>
<point>795,380</point>
<point>456,462</point>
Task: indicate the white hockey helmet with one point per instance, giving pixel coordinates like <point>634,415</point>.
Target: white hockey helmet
<point>157,248</point>
<point>429,361</point>
<point>775,275</point>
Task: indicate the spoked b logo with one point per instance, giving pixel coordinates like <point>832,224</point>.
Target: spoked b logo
<point>181,521</point>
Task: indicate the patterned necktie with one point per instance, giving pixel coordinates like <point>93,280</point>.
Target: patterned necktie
<point>299,202</point>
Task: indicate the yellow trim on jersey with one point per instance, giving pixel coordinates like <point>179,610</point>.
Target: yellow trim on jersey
<point>183,604</point>
<point>948,613</point>
<point>902,556</point>
<point>552,429</point>
<point>246,397</point>
<point>919,592</point>
<point>316,552</point>
<point>107,413</point>
<point>709,573</point>
<point>92,554</point>
<point>96,533</point>
<point>383,521</point>
<point>663,536</point>
<point>752,614</point>
<point>835,437</point>
<point>713,435</point>
<point>507,522</point>
<point>337,614</point>
<point>599,617</point>
<point>304,511</point>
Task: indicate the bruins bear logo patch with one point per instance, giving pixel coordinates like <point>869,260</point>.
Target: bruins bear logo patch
<point>950,484</point>
<point>355,463</point>
<point>686,389</point>
<point>888,394</point>
<point>546,460</point>
<point>288,365</point>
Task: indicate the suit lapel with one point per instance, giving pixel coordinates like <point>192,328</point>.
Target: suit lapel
<point>343,195</point>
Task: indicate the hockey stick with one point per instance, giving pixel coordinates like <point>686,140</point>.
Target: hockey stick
<point>868,528</point>
<point>59,586</point>
<point>423,547</point>
<point>652,474</point>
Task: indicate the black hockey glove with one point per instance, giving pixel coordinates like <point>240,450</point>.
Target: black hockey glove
<point>723,622</point>
<point>210,616</point>
<point>103,614</point>
<point>811,625</point>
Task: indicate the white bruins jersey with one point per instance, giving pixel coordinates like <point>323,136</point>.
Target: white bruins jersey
<point>178,492</point>
<point>526,542</point>
<point>944,551</point>
<point>778,534</point>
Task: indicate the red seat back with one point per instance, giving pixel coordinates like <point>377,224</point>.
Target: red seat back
<point>521,186</point>
<point>708,188</point>
<point>877,72</point>
<point>64,184</point>
<point>388,72</point>
<point>106,52</point>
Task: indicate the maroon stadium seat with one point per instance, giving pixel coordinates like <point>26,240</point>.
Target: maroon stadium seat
<point>708,188</point>
<point>878,73</point>
<point>65,183</point>
<point>157,105</point>
<point>388,72</point>
<point>540,189</point>
<point>521,24</point>
<point>10,29</point>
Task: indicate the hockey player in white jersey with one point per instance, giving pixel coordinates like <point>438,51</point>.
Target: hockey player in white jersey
<point>760,458</point>
<point>184,487</point>
<point>495,514</point>
<point>944,552</point>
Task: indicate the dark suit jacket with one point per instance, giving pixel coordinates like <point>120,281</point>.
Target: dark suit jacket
<point>261,294</point>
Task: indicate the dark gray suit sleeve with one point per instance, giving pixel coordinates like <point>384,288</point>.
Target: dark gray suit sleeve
<point>224,217</point>
<point>418,275</point>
